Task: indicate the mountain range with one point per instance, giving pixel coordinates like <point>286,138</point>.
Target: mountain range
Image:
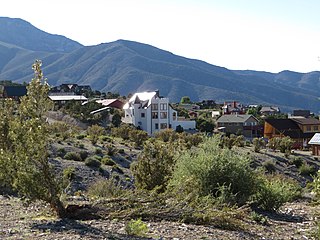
<point>127,67</point>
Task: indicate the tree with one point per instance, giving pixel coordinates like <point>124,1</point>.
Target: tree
<point>24,149</point>
<point>185,100</point>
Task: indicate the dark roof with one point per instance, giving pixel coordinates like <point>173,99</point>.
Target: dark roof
<point>15,91</point>
<point>235,118</point>
<point>288,127</point>
<point>306,121</point>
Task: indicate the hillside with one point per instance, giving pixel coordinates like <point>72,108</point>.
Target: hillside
<point>126,67</point>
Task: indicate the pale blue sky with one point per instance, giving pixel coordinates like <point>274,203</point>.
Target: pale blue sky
<point>266,35</point>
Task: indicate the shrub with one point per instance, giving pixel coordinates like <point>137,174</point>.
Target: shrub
<point>167,135</point>
<point>270,166</point>
<point>274,191</point>
<point>94,133</point>
<point>72,156</point>
<point>286,145</point>
<point>108,161</point>
<point>138,137</point>
<point>297,161</point>
<point>316,186</point>
<point>69,173</point>
<point>81,136</point>
<point>111,150</point>
<point>258,143</point>
<point>61,152</point>
<point>258,218</point>
<point>274,143</point>
<point>202,172</point>
<point>154,165</point>
<point>98,151</point>
<point>105,188</point>
<point>92,162</point>
<point>123,131</point>
<point>136,228</point>
<point>83,155</point>
<point>307,170</point>
<point>117,169</point>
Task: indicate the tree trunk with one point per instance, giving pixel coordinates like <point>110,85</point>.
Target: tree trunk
<point>58,207</point>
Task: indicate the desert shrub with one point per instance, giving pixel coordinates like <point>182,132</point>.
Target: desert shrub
<point>269,165</point>
<point>286,145</point>
<point>203,171</point>
<point>111,149</point>
<point>69,173</point>
<point>123,131</point>
<point>92,162</point>
<point>73,156</point>
<point>121,151</point>
<point>105,189</point>
<point>154,165</point>
<point>316,186</point>
<point>136,228</point>
<point>94,133</point>
<point>192,140</point>
<point>274,143</point>
<point>307,170</point>
<point>240,141</point>
<point>297,161</point>
<point>98,151</point>
<point>274,191</point>
<point>138,137</point>
<point>258,143</point>
<point>117,169</point>
<point>167,135</point>
<point>227,142</point>
<point>108,161</point>
<point>83,155</point>
<point>61,129</point>
<point>80,136</point>
<point>258,218</point>
<point>61,152</point>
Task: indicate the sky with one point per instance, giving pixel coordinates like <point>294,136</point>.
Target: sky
<point>263,35</point>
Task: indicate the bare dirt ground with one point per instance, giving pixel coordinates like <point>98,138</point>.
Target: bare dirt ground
<point>21,221</point>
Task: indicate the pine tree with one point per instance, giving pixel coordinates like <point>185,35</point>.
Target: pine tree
<point>24,147</point>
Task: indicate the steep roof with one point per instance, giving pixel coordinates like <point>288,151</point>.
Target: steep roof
<point>235,118</point>
<point>288,127</point>
<point>315,139</point>
<point>143,97</point>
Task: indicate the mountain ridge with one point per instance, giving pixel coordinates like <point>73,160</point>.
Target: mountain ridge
<point>127,66</point>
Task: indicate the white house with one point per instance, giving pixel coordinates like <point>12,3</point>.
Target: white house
<point>152,113</point>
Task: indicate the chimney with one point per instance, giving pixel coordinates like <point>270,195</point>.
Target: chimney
<point>157,93</point>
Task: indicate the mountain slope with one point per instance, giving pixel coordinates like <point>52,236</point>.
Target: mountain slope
<point>126,67</point>
<point>21,33</point>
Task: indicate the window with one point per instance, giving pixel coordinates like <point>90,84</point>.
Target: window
<point>163,115</point>
<point>174,116</point>
<point>315,128</point>
<point>154,115</point>
<point>308,128</point>
<point>156,126</point>
<point>143,115</point>
<point>163,106</point>
<point>163,125</point>
<point>154,106</point>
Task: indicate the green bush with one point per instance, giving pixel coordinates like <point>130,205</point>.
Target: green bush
<point>307,170</point>
<point>202,172</point>
<point>92,162</point>
<point>136,228</point>
<point>274,191</point>
<point>121,151</point>
<point>108,161</point>
<point>94,133</point>
<point>69,173</point>
<point>154,165</point>
<point>105,189</point>
<point>81,136</point>
<point>61,152</point>
<point>73,156</point>
<point>111,149</point>
<point>83,155</point>
<point>270,166</point>
<point>297,161</point>
<point>98,151</point>
<point>316,186</point>
<point>117,169</point>
<point>258,143</point>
